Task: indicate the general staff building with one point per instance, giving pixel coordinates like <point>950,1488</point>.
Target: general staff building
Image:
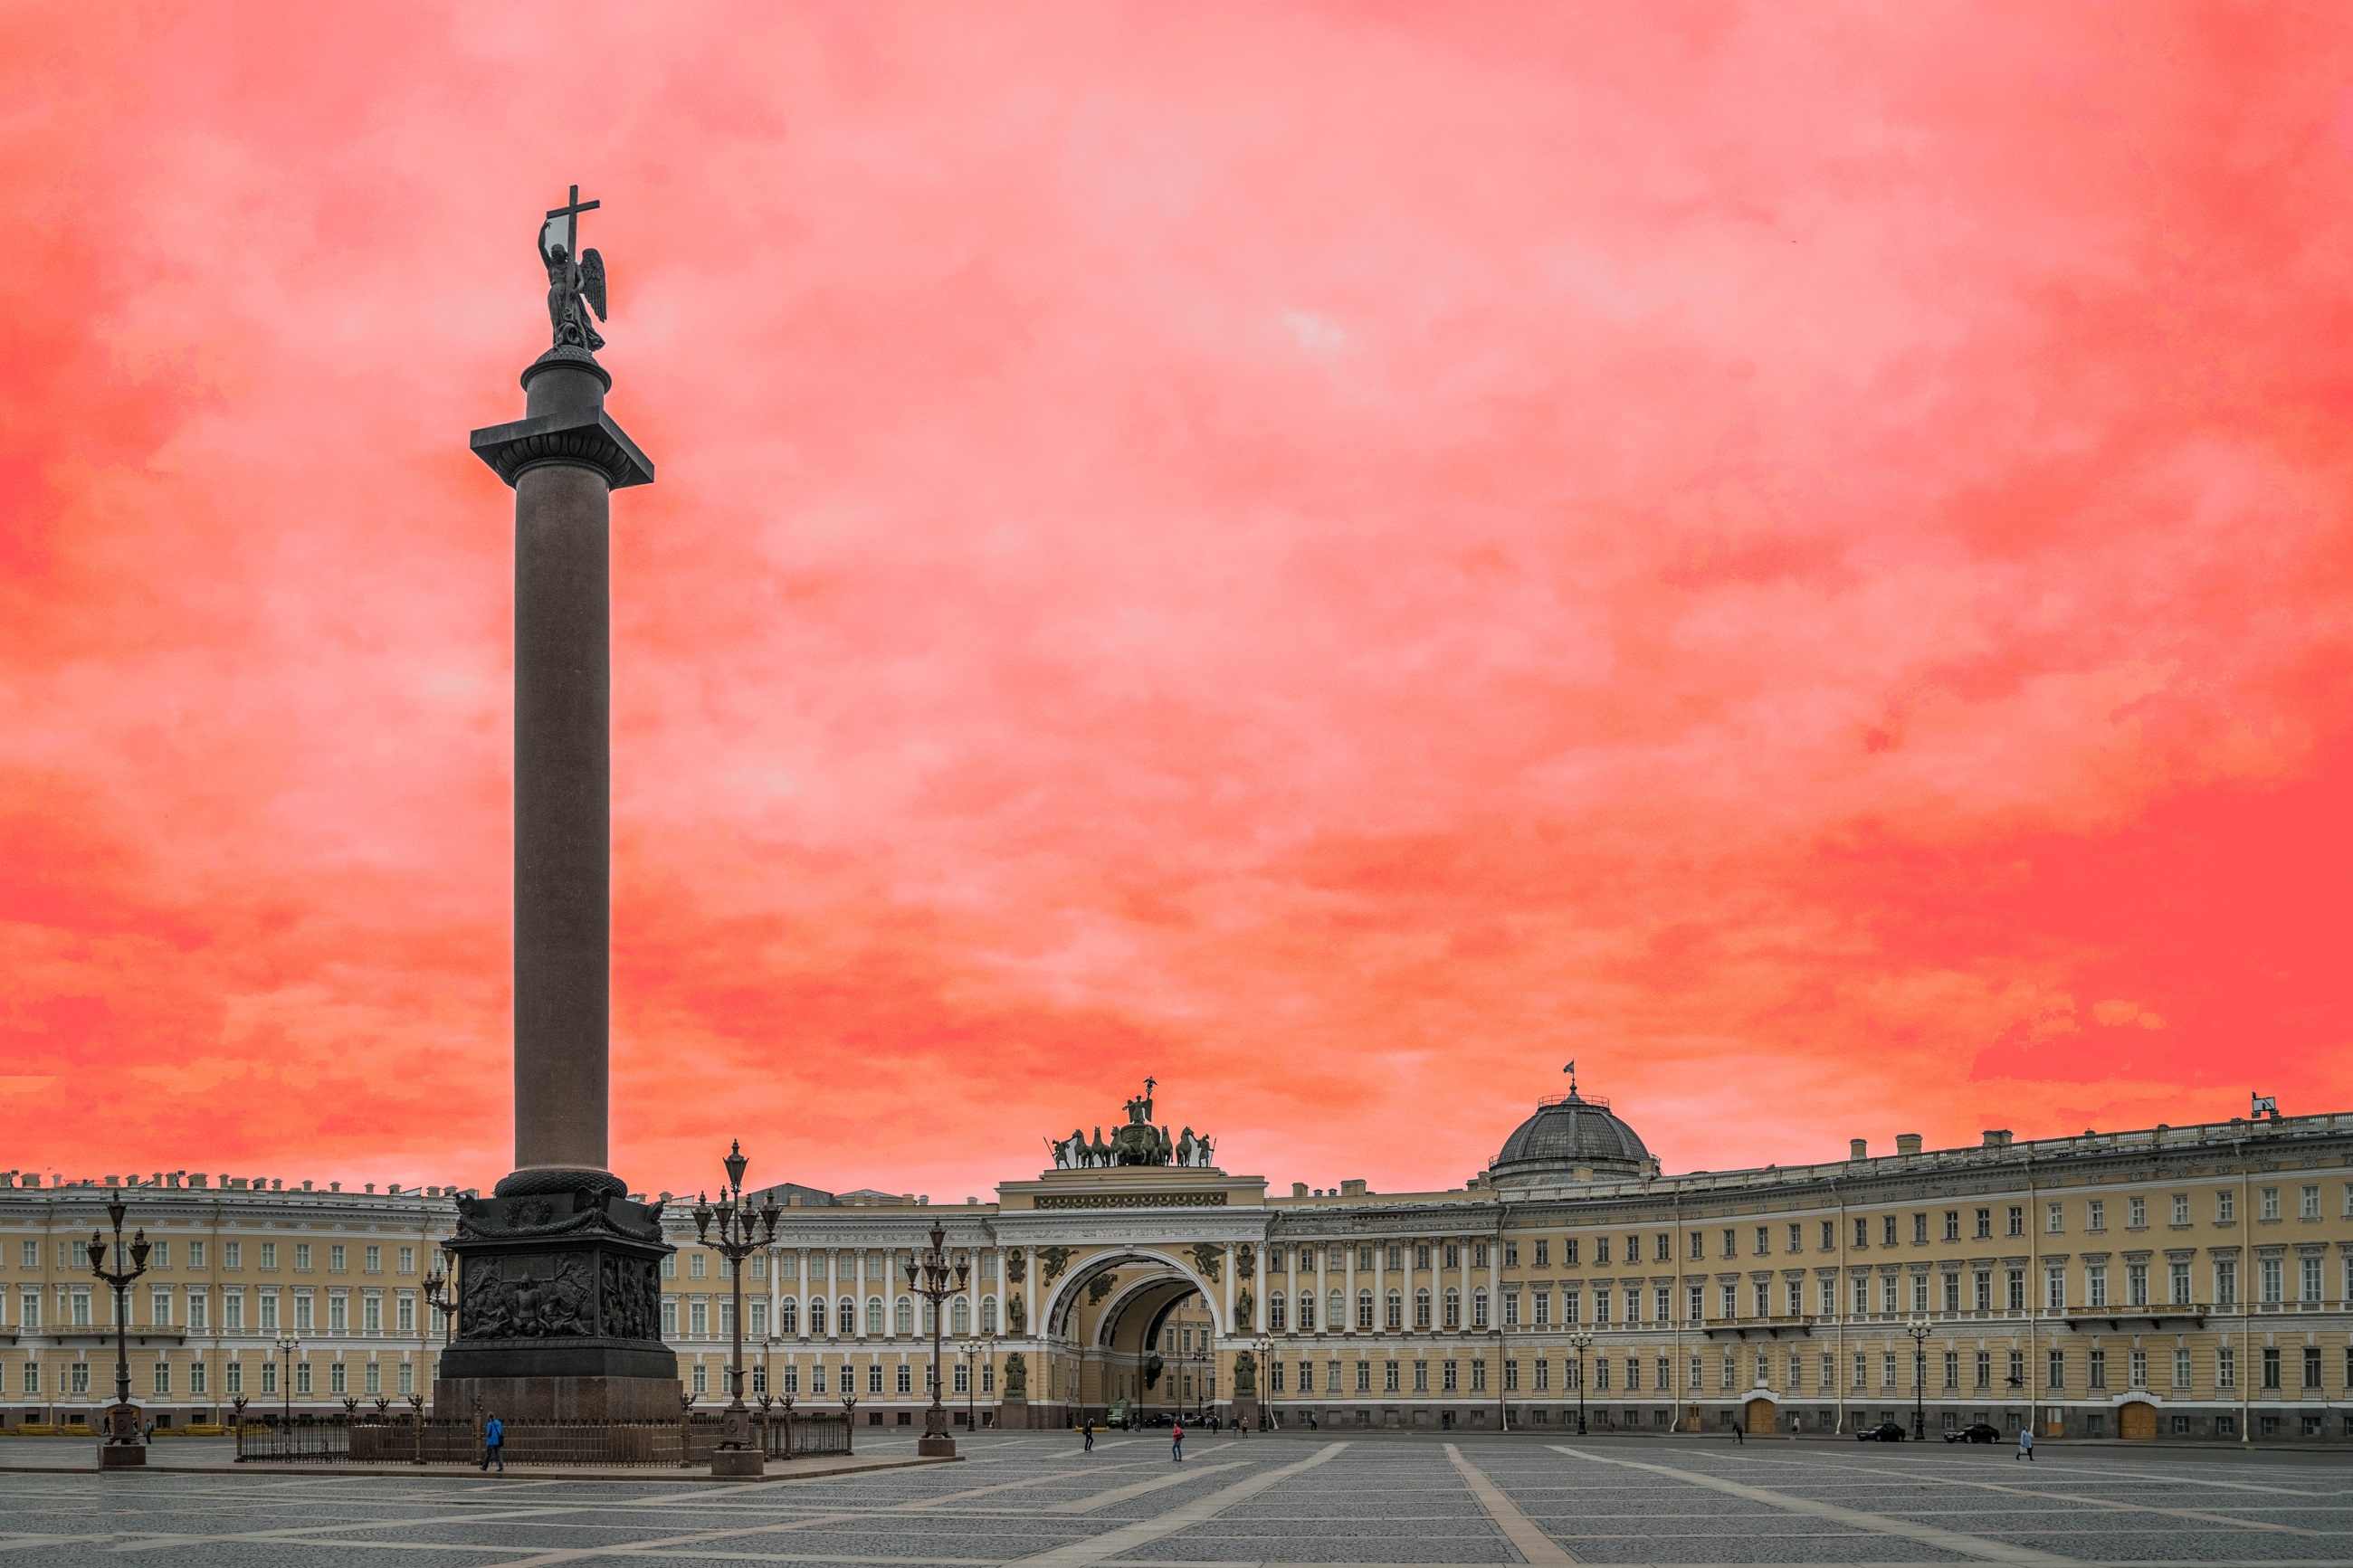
<point>2171,1283</point>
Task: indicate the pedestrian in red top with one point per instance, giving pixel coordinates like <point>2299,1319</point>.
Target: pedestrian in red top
<point>1177,1443</point>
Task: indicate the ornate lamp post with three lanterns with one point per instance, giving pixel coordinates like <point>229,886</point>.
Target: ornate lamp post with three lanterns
<point>930,1276</point>
<point>1581,1338</point>
<point>441,1293</point>
<point>1919,1328</point>
<point>124,1447</point>
<point>742,1232</point>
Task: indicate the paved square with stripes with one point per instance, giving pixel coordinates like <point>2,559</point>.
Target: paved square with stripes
<point>1037,1499</point>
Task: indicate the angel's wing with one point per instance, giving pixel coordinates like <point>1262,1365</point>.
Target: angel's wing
<point>592,281</point>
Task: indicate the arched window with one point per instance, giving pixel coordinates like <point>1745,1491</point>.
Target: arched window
<point>988,1314</point>
<point>1274,1311</point>
<point>906,1317</point>
<point>874,1316</point>
<point>788,1316</point>
<point>960,1316</point>
<point>1453,1308</point>
<point>1307,1312</point>
<point>1335,1310</point>
<point>1365,1310</point>
<point>1479,1308</point>
<point>817,1314</point>
<point>1422,1309</point>
<point>1394,1317</point>
<point>845,1318</point>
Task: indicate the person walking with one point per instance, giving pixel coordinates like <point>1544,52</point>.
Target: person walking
<point>1176,1442</point>
<point>1091,1435</point>
<point>2025,1443</point>
<point>494,1440</point>
<point>1738,1435</point>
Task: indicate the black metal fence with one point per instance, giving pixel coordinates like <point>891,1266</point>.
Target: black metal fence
<point>394,1439</point>
<point>794,1433</point>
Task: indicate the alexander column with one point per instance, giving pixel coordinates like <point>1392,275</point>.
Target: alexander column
<point>559,1287</point>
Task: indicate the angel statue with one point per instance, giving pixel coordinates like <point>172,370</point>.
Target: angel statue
<point>574,289</point>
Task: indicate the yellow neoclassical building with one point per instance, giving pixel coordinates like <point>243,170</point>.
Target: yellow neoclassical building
<point>2168,1283</point>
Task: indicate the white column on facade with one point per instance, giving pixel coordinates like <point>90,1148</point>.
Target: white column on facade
<point>801,1288</point>
<point>858,1292</point>
<point>1226,1318</point>
<point>1348,1289</point>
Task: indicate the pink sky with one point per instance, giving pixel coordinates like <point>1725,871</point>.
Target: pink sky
<point>1339,556</point>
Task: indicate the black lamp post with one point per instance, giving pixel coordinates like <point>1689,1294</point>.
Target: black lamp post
<point>930,1276</point>
<point>1919,1328</point>
<point>286,1346</point>
<point>742,1232</point>
<point>122,1421</point>
<point>972,1348</point>
<point>441,1295</point>
<point>1580,1337</point>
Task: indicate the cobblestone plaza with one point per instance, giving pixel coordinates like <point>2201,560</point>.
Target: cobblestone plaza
<point>1037,1498</point>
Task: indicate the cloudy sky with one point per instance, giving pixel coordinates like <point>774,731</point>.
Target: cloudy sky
<point>1338,557</point>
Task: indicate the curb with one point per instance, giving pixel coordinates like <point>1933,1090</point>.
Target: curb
<point>468,1472</point>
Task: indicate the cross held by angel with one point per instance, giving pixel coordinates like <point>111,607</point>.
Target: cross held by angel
<point>576,277</point>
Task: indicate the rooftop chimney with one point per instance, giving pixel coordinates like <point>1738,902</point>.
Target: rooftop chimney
<point>1353,1189</point>
<point>1299,1189</point>
<point>1857,1149</point>
<point>1997,1138</point>
<point>1908,1142</point>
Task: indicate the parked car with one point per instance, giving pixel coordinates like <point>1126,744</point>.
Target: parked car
<point>1976,1432</point>
<point>1885,1432</point>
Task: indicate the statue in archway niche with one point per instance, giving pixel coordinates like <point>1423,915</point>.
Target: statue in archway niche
<point>1244,1305</point>
<point>1017,1376</point>
<point>1016,1317</point>
<point>1245,1376</point>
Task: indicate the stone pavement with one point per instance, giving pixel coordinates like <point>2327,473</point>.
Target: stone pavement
<point>217,1455</point>
<point>1036,1499</point>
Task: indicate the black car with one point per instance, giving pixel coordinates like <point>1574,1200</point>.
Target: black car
<point>1885,1432</point>
<point>1976,1432</point>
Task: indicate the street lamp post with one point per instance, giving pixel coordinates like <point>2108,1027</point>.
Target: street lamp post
<point>286,1346</point>
<point>441,1295</point>
<point>1264,1345</point>
<point>971,1349</point>
<point>1919,1328</point>
<point>1581,1338</point>
<point>742,1232</point>
<point>123,1447</point>
<point>930,1276</point>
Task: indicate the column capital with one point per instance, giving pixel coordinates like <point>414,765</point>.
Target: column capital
<point>580,438</point>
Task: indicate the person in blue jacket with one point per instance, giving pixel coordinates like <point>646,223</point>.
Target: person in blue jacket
<point>494,1441</point>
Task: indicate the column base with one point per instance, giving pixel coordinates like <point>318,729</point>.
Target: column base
<point>940,1447</point>
<point>559,1398</point>
<point>738,1464</point>
<point>123,1457</point>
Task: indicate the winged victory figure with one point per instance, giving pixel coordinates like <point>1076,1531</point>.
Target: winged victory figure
<point>574,289</point>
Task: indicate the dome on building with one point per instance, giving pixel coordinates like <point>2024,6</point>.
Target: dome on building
<point>1570,1133</point>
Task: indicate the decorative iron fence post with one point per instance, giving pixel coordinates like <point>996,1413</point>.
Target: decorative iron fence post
<point>685,1432</point>
<point>236,1413</point>
<point>416,1425</point>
